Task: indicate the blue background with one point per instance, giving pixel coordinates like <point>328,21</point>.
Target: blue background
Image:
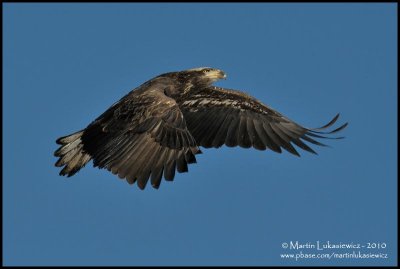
<point>64,64</point>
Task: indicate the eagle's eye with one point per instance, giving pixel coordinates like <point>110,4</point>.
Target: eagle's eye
<point>206,70</point>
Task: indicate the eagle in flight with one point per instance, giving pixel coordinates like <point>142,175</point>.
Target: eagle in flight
<point>158,127</point>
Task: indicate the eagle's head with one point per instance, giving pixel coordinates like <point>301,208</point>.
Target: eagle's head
<point>204,76</point>
<point>207,74</point>
<point>199,78</point>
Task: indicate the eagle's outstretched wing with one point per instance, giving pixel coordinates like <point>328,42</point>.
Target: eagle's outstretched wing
<point>141,136</point>
<point>217,116</point>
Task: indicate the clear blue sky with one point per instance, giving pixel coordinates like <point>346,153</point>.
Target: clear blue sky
<point>64,64</point>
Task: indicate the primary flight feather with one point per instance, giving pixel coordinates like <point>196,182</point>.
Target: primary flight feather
<point>158,127</point>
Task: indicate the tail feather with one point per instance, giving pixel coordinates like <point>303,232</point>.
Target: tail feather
<point>71,154</point>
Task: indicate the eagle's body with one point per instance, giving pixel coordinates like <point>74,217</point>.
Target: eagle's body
<point>159,126</point>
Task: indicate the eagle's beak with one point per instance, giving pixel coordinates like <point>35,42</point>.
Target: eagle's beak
<point>220,74</point>
<point>223,74</point>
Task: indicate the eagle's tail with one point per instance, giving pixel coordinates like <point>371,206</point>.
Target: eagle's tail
<point>71,154</point>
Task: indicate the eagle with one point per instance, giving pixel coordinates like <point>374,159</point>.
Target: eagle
<point>159,127</point>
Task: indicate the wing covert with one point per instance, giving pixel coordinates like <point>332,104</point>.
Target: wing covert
<point>142,137</point>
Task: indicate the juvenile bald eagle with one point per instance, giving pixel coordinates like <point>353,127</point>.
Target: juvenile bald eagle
<point>159,126</point>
